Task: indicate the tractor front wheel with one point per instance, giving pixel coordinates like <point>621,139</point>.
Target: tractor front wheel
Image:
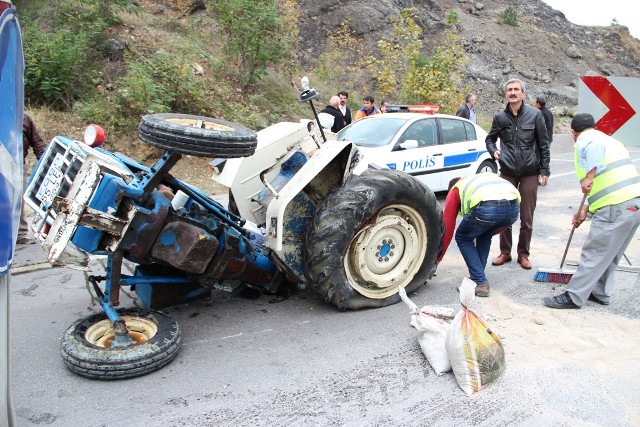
<point>88,348</point>
<point>197,135</point>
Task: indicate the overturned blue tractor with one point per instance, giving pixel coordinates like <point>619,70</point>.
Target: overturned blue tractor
<point>352,238</point>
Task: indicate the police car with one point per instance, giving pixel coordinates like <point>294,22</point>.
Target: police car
<point>436,148</point>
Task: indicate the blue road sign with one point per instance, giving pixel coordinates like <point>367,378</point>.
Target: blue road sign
<point>11,156</point>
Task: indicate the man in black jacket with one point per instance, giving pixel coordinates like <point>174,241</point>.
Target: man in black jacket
<point>334,109</point>
<point>466,110</point>
<point>524,161</point>
<point>541,103</point>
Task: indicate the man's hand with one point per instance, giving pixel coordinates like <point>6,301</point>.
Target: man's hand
<point>542,180</point>
<point>579,217</point>
<point>496,155</point>
<point>586,184</point>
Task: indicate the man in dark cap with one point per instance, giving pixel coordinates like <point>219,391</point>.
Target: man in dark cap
<point>612,184</point>
<point>541,103</point>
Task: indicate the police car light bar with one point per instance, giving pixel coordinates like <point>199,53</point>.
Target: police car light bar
<point>422,108</point>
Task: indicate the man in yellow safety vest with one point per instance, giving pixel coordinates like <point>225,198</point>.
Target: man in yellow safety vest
<point>612,184</point>
<point>488,204</point>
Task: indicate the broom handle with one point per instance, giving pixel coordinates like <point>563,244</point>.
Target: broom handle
<point>573,228</point>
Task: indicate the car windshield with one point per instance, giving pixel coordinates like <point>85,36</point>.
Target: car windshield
<point>372,132</point>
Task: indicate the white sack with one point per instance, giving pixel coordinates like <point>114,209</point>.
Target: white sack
<point>432,324</point>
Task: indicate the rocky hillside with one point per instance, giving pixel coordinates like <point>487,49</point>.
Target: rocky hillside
<point>545,50</point>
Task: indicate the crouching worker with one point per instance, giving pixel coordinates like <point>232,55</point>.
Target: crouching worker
<point>488,204</point>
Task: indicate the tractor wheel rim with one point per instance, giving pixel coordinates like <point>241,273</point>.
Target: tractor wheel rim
<point>387,253</point>
<point>101,334</point>
<point>201,124</point>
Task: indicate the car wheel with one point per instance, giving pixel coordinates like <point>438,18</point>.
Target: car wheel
<point>87,351</point>
<point>380,230</point>
<point>488,166</point>
<point>197,135</point>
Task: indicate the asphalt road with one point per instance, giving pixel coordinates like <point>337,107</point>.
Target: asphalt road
<point>294,362</point>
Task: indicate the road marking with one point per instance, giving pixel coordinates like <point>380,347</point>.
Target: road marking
<point>562,174</point>
<point>232,336</point>
<point>29,268</point>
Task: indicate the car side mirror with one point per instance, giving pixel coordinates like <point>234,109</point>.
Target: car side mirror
<point>409,144</point>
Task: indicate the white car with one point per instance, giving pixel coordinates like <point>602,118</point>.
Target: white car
<point>435,148</point>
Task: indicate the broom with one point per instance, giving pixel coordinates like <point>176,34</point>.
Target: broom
<point>560,275</point>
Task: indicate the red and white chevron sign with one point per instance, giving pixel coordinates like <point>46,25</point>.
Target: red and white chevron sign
<point>614,102</point>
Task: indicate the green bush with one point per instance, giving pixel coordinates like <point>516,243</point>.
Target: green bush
<point>52,64</point>
<point>102,110</point>
<point>139,93</point>
<point>453,17</point>
<point>159,84</point>
<point>88,15</point>
<point>162,83</point>
<point>62,51</point>
<point>509,17</point>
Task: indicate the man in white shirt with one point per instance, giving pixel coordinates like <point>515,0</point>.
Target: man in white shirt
<point>344,97</point>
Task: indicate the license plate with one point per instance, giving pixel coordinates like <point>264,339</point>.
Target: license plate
<point>52,181</point>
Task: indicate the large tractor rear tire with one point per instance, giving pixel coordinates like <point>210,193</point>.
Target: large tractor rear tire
<point>380,230</point>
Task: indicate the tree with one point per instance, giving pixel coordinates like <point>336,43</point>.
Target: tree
<point>509,17</point>
<point>256,34</point>
<point>344,49</point>
<point>402,67</point>
<point>437,78</point>
<point>397,55</point>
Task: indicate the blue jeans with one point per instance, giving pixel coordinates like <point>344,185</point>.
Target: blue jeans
<point>480,224</point>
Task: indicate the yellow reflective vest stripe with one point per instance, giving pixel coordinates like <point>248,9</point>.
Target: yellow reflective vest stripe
<point>618,179</point>
<point>482,187</point>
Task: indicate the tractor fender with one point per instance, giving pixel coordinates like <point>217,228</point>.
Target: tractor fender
<point>293,207</point>
<point>243,175</point>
